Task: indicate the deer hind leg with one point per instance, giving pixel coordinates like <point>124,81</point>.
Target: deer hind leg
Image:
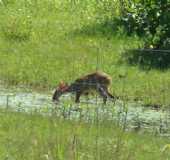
<point>113,98</point>
<point>102,92</point>
<point>109,94</point>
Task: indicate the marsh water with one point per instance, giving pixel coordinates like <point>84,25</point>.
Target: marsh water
<point>128,115</point>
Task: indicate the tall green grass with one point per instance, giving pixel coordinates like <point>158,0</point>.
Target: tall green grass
<point>39,137</point>
<point>43,42</point>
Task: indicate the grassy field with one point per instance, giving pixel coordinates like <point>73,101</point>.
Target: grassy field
<point>38,137</point>
<point>43,42</point>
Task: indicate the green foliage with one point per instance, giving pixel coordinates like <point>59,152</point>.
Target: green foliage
<point>150,19</point>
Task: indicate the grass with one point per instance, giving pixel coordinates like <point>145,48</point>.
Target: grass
<point>43,42</point>
<point>37,137</point>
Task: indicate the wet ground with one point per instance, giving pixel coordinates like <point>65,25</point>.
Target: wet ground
<point>128,115</point>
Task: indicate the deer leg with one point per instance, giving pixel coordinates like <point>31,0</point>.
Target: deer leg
<point>102,93</point>
<point>86,95</point>
<point>78,94</point>
<point>109,94</point>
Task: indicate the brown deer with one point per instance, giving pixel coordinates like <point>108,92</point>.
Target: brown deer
<point>97,81</point>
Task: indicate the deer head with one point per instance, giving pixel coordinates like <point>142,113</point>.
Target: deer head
<point>61,88</point>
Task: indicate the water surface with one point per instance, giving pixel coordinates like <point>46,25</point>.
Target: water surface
<point>129,115</point>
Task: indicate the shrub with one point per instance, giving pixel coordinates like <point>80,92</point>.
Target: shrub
<point>150,19</point>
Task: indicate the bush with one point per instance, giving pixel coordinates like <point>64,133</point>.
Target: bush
<point>150,19</point>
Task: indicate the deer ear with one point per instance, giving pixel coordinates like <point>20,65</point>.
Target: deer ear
<point>61,84</point>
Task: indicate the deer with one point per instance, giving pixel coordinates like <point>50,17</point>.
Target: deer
<point>97,81</point>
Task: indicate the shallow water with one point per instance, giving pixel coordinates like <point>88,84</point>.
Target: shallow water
<point>129,115</point>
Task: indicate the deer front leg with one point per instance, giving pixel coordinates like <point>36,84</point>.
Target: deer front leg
<point>78,94</point>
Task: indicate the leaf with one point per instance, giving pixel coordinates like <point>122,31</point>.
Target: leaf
<point>165,148</point>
